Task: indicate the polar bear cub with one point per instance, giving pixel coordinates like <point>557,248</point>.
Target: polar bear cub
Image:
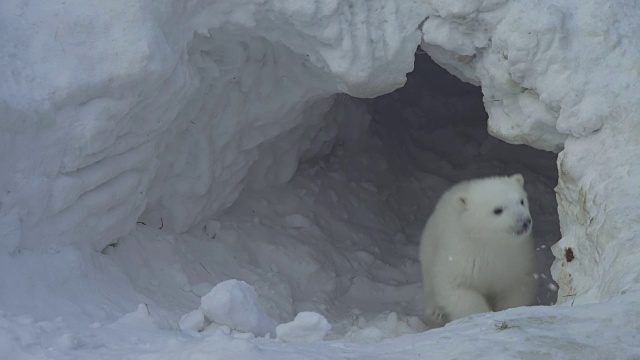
<point>476,249</point>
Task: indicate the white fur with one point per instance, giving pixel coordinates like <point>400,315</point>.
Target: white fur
<point>473,260</point>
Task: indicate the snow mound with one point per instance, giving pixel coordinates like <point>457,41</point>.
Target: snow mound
<point>193,321</point>
<point>306,327</point>
<point>235,304</point>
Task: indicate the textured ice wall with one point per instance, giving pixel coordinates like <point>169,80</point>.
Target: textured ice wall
<point>109,108</point>
<point>562,75</point>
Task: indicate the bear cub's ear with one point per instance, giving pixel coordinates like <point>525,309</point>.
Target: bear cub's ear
<point>518,178</point>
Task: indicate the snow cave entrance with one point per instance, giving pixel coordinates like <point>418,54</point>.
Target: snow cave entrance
<point>341,237</point>
<point>436,128</point>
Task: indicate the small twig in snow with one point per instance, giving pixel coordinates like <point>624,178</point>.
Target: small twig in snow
<point>205,269</point>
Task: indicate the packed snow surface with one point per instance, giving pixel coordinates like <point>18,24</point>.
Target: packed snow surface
<point>179,179</point>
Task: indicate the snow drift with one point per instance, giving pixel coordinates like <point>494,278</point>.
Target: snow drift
<point>164,112</point>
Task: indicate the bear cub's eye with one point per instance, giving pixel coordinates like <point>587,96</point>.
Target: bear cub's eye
<point>521,201</point>
<point>497,211</point>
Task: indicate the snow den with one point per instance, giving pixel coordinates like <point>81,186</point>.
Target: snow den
<point>185,179</point>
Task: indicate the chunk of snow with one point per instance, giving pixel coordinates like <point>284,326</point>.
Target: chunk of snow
<point>193,321</point>
<point>236,304</point>
<point>306,327</point>
<point>214,328</point>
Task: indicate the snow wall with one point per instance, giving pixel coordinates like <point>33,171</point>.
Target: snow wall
<point>163,112</point>
<point>175,108</point>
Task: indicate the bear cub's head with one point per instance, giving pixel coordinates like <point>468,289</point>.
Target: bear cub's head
<point>496,206</point>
